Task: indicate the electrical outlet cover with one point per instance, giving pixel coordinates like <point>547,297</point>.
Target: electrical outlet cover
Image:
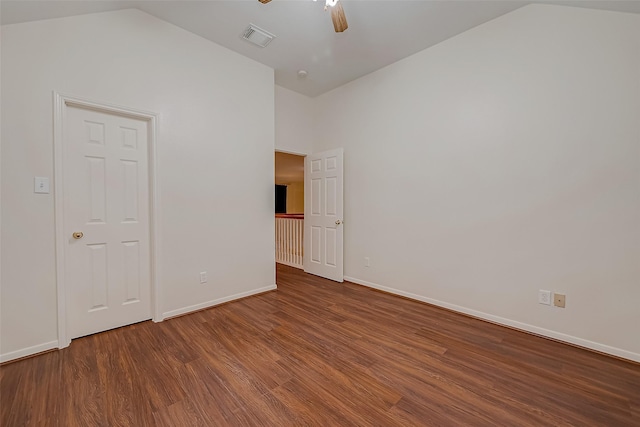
<point>544,297</point>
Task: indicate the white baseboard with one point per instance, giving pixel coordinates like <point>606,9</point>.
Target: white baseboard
<point>28,351</point>
<point>23,352</point>
<point>506,322</point>
<point>207,304</point>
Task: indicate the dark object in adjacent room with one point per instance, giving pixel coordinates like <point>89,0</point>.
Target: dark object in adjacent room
<point>281,199</point>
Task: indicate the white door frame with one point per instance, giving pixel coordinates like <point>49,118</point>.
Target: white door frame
<point>60,102</point>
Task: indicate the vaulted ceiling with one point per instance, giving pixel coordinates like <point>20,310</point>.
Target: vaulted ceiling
<point>380,32</point>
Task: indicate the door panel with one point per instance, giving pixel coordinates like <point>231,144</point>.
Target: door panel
<point>315,244</point>
<point>98,275</point>
<point>131,258</point>
<point>106,198</point>
<point>323,235</point>
<point>330,246</point>
<point>316,196</point>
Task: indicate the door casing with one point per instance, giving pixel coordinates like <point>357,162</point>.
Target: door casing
<point>60,103</point>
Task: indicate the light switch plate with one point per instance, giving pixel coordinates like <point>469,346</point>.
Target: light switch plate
<point>41,185</point>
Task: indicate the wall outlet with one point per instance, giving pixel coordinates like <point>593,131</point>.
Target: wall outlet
<point>544,297</point>
<point>559,300</point>
<point>366,261</point>
<point>203,277</point>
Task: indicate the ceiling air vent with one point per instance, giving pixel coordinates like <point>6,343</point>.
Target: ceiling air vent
<point>257,36</point>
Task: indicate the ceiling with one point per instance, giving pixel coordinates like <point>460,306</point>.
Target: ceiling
<point>380,32</point>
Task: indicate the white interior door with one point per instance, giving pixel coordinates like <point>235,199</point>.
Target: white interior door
<point>323,208</point>
<point>106,220</point>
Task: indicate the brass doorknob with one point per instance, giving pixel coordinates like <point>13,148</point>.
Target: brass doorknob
<point>338,222</point>
<point>78,235</point>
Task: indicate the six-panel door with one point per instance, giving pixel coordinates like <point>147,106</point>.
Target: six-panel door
<point>106,197</point>
<point>323,235</point>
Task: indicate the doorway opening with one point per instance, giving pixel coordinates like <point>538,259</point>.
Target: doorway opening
<point>289,208</point>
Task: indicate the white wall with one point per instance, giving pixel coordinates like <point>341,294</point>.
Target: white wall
<point>295,197</point>
<point>216,117</point>
<point>294,121</point>
<point>499,162</point>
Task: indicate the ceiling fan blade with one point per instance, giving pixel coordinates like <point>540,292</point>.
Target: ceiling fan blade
<point>264,1</point>
<point>338,18</point>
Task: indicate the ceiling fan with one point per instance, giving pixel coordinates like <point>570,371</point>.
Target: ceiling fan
<point>337,14</point>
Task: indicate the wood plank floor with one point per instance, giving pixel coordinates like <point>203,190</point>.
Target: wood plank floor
<point>319,353</point>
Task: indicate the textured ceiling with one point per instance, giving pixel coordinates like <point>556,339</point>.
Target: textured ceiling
<point>380,32</point>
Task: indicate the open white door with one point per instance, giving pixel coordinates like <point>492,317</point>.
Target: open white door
<point>323,208</point>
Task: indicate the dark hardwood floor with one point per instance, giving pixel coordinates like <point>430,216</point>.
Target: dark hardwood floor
<point>319,353</point>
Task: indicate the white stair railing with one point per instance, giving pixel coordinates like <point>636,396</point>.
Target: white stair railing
<point>289,232</point>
